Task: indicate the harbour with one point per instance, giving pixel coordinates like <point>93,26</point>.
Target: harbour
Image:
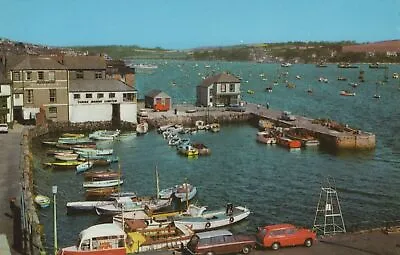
<point>291,193</point>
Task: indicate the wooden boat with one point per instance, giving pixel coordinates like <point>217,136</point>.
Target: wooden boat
<point>102,183</point>
<point>101,239</point>
<point>104,135</point>
<point>101,162</point>
<point>347,93</point>
<point>288,143</point>
<point>266,137</point>
<point>199,218</point>
<point>66,156</point>
<point>42,201</point>
<point>341,78</point>
<point>53,152</point>
<point>73,146</point>
<point>142,128</point>
<point>85,205</point>
<point>201,148</point>
<point>96,193</point>
<point>71,135</point>
<point>50,143</point>
<point>69,140</point>
<point>102,175</point>
<point>64,164</point>
<point>84,167</point>
<point>172,236</point>
<point>96,152</point>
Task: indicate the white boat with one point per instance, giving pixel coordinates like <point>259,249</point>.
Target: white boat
<point>166,193</point>
<point>102,184</point>
<point>101,239</point>
<point>199,218</point>
<point>347,93</point>
<point>185,192</point>
<point>66,156</point>
<point>286,64</point>
<point>142,128</point>
<point>164,128</point>
<point>85,205</point>
<point>119,205</point>
<point>143,66</point>
<point>84,167</point>
<point>200,125</point>
<point>265,137</point>
<point>104,134</point>
<point>94,152</point>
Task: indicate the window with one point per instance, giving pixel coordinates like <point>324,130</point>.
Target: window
<point>111,95</point>
<point>232,87</point>
<point>52,76</point>
<point>29,96</point>
<point>28,76</point>
<point>223,87</point>
<point>40,75</point>
<point>100,95</point>
<point>3,102</point>
<point>99,75</point>
<point>53,110</point>
<point>53,95</point>
<point>89,95</point>
<point>77,96</point>
<point>128,97</point>
<point>79,74</point>
<point>16,76</point>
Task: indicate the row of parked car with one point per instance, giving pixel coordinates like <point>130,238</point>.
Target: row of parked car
<point>272,236</point>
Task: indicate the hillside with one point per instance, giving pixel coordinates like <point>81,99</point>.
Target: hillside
<point>379,47</point>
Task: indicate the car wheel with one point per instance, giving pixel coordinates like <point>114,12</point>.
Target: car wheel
<point>308,242</point>
<point>246,249</point>
<point>275,246</point>
<point>209,253</point>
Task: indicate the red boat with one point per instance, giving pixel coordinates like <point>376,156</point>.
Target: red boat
<point>102,239</point>
<point>288,143</point>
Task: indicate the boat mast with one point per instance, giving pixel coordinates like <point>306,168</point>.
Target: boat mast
<point>157,183</point>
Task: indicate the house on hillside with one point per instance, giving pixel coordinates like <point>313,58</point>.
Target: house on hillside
<point>102,100</point>
<point>38,82</point>
<point>157,100</point>
<point>116,69</point>
<point>219,90</point>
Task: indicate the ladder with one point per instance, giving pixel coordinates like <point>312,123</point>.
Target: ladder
<point>328,216</point>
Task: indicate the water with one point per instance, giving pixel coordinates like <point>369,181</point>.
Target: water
<point>277,185</point>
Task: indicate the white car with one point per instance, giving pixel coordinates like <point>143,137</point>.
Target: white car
<point>3,128</point>
<point>143,113</point>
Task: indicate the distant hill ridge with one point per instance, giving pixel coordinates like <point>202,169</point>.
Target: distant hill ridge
<point>381,47</point>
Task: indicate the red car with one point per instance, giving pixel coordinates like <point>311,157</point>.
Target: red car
<point>281,235</point>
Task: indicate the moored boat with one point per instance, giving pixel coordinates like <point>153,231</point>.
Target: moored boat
<point>101,175</point>
<point>266,137</point>
<point>94,152</point>
<point>347,93</point>
<point>215,127</point>
<point>84,167</point>
<point>185,192</point>
<point>119,205</point>
<point>188,150</point>
<point>98,193</point>
<point>64,164</point>
<point>288,143</point>
<point>102,184</point>
<point>66,156</point>
<point>142,128</point>
<point>42,201</point>
<point>201,148</point>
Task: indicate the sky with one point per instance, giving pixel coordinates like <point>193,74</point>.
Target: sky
<point>186,24</point>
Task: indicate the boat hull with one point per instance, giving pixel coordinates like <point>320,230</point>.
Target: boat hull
<point>102,184</point>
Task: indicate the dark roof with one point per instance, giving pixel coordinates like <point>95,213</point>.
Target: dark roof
<point>98,86</point>
<point>84,62</point>
<point>219,78</point>
<point>155,92</point>
<point>120,70</point>
<point>37,63</point>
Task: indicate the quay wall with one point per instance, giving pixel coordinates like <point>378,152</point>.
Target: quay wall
<point>363,141</point>
<point>59,127</point>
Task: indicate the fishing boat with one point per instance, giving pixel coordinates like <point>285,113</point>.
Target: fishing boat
<point>84,167</point>
<point>142,128</point>
<point>118,205</point>
<point>42,201</point>
<point>172,236</point>
<point>199,218</point>
<point>101,239</point>
<point>266,137</point>
<point>201,148</point>
<point>185,192</point>
<point>66,156</point>
<point>102,184</point>
<point>347,93</point>
<point>288,143</point>
<point>64,164</point>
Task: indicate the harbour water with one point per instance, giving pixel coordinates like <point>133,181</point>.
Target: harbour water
<point>277,185</point>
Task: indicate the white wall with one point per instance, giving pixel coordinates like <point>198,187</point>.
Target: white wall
<point>5,90</point>
<point>30,113</point>
<point>18,101</point>
<point>90,112</point>
<point>128,112</point>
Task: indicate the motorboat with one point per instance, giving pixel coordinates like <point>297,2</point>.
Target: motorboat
<point>118,205</point>
<point>347,93</point>
<point>266,137</point>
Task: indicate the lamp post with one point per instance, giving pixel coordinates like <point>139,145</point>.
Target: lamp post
<point>54,189</point>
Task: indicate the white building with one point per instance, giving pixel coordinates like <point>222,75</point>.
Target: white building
<point>101,100</point>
